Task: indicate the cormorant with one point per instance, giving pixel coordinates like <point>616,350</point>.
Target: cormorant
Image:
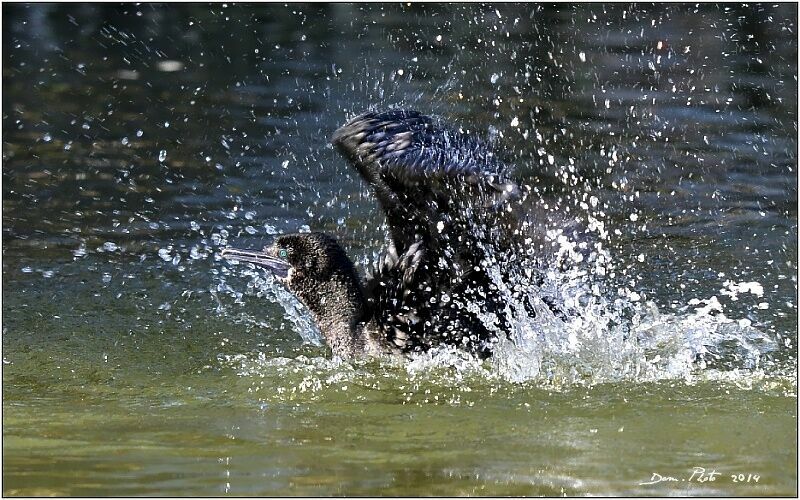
<point>455,238</point>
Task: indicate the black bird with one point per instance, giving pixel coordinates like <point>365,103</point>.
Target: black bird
<point>456,241</point>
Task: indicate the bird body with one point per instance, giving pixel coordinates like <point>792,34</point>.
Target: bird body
<point>448,202</point>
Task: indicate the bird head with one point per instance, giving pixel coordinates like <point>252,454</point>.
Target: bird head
<point>316,269</point>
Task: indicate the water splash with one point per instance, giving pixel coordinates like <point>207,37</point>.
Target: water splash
<point>607,334</point>
<point>609,341</point>
<point>264,285</point>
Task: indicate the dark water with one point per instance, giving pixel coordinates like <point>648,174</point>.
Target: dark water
<point>138,140</point>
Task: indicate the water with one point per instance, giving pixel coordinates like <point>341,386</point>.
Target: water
<point>139,140</point>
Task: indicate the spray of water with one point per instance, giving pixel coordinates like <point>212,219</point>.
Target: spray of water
<point>603,337</point>
<point>263,285</point>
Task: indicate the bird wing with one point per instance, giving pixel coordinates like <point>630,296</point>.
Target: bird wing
<point>393,293</point>
<point>414,310</point>
<point>445,195</point>
<point>425,176</point>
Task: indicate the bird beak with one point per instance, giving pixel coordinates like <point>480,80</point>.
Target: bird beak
<point>280,268</point>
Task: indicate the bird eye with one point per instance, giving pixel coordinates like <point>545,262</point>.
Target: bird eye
<point>282,253</point>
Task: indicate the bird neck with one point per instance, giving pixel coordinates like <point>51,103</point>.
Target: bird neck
<point>339,309</point>
<point>342,329</point>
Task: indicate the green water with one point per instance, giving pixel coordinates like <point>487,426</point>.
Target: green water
<point>170,438</point>
<point>137,363</point>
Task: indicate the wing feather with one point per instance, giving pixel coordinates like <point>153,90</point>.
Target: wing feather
<point>444,194</point>
<point>423,173</point>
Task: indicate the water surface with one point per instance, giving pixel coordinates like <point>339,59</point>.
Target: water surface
<point>139,140</point>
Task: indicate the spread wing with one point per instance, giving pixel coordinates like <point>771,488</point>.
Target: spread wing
<point>429,180</point>
<point>445,195</point>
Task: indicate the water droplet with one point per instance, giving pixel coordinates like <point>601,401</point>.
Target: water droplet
<point>169,66</point>
<point>162,155</point>
<point>80,251</point>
